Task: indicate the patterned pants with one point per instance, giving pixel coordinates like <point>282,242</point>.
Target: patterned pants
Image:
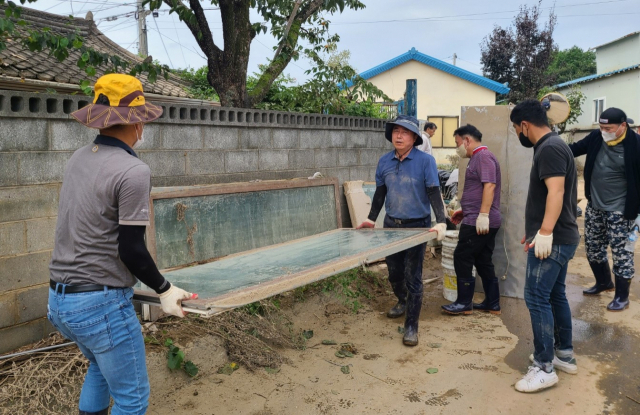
<point>608,228</point>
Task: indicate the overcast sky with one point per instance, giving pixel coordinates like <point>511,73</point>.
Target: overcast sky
<point>382,31</point>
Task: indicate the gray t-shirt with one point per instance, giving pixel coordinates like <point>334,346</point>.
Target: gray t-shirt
<point>552,158</point>
<point>103,187</point>
<point>609,180</point>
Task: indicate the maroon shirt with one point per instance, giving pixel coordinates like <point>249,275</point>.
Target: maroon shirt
<point>483,168</point>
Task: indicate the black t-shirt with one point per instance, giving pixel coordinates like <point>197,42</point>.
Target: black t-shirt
<point>552,158</point>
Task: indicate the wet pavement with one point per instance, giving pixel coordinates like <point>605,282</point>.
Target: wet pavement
<point>615,345</point>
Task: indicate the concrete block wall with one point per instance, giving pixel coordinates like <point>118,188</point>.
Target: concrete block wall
<point>189,145</point>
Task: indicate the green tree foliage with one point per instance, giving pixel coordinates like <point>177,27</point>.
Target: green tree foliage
<point>328,91</point>
<point>290,22</point>
<point>14,29</point>
<point>570,64</point>
<point>521,54</point>
<point>325,92</point>
<point>199,85</point>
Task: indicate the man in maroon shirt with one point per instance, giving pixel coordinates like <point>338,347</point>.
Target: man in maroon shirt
<point>480,217</point>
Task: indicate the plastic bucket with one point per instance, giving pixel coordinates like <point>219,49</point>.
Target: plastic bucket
<point>450,283</point>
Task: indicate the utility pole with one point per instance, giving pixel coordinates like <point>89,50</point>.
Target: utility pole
<point>454,56</point>
<point>141,14</point>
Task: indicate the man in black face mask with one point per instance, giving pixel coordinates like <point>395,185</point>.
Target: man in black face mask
<point>551,239</point>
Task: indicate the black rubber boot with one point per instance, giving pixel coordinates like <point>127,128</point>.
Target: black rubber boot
<point>397,310</point>
<point>602,272</point>
<point>621,298</point>
<point>464,302</point>
<point>400,290</point>
<point>414,305</point>
<point>491,302</point>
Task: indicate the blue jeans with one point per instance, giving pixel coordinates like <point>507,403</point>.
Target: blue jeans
<point>546,299</point>
<point>107,331</point>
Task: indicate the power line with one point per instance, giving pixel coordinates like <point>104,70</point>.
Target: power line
<point>178,38</point>
<point>438,18</point>
<point>271,49</point>
<point>108,29</point>
<point>55,5</point>
<point>131,44</point>
<point>189,49</point>
<point>163,45</point>
<point>129,14</point>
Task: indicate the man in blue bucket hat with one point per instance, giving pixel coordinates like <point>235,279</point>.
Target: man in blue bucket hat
<point>406,182</point>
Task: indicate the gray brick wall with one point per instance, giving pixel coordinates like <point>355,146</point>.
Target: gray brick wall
<point>188,145</point>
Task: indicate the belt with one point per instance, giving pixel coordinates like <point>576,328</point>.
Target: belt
<point>405,221</point>
<point>72,289</point>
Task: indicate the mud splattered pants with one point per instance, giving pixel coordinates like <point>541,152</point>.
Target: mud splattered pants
<point>604,229</point>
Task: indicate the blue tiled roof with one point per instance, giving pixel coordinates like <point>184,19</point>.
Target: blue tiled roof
<point>596,76</point>
<point>413,54</point>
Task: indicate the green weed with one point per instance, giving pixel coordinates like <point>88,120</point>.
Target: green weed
<point>175,359</point>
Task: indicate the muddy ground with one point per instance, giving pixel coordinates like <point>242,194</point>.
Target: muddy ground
<point>478,359</point>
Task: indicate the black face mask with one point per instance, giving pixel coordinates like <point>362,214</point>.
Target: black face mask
<point>525,141</point>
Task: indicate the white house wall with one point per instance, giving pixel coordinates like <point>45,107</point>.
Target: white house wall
<point>618,55</point>
<point>620,91</point>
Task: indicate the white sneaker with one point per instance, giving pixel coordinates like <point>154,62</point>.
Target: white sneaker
<point>569,367</point>
<point>536,379</point>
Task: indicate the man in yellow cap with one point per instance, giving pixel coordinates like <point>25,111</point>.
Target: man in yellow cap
<point>100,251</point>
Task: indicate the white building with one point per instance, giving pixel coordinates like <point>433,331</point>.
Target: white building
<point>616,83</point>
<point>442,90</point>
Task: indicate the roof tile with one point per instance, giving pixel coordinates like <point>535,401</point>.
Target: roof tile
<point>16,60</point>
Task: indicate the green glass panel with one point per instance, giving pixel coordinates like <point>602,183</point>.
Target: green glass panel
<point>253,268</point>
<point>191,229</point>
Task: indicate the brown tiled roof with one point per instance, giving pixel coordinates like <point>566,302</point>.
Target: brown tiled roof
<point>20,63</point>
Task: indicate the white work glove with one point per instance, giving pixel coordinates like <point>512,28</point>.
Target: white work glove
<point>440,229</point>
<point>637,222</point>
<point>542,245</point>
<point>367,224</point>
<point>482,224</point>
<point>172,298</point>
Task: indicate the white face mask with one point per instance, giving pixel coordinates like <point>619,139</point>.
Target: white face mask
<point>606,136</point>
<point>461,151</point>
<point>139,141</point>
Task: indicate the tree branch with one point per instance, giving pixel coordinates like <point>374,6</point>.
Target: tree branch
<point>279,62</point>
<point>198,27</point>
<point>206,38</point>
<point>286,30</point>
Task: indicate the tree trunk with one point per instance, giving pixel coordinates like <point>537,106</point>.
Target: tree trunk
<point>229,74</point>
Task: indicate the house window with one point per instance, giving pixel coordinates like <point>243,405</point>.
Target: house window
<point>598,107</point>
<point>443,137</point>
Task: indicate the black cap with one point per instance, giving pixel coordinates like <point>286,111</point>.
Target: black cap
<point>613,116</point>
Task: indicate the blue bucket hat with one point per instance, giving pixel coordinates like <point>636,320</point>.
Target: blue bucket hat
<point>408,122</point>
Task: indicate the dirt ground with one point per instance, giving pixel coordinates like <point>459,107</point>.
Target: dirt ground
<point>478,359</point>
